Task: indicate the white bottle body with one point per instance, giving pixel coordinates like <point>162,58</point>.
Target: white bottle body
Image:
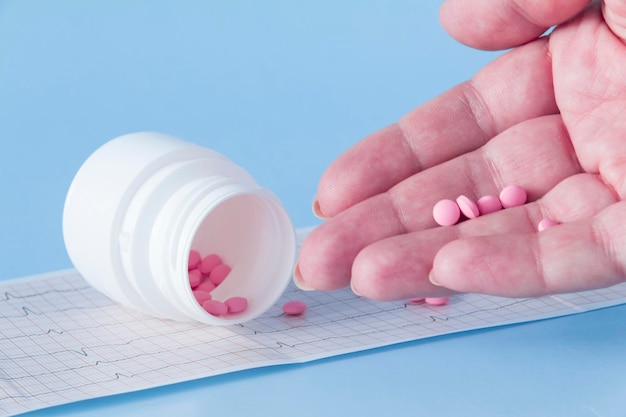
<point>141,202</point>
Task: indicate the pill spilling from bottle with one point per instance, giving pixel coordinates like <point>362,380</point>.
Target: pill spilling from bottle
<point>433,301</point>
<point>205,275</point>
<point>294,308</point>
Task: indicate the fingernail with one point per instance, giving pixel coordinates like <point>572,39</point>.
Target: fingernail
<point>353,290</point>
<point>432,279</point>
<point>297,279</point>
<point>317,211</point>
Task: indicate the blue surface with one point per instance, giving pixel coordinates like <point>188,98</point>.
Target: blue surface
<point>281,88</point>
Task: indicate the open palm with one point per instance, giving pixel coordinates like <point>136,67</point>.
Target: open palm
<point>550,116</point>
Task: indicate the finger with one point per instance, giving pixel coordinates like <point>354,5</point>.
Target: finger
<point>513,88</point>
<point>615,16</point>
<point>501,24</point>
<point>591,90</point>
<point>398,267</point>
<point>585,254</point>
<point>535,154</point>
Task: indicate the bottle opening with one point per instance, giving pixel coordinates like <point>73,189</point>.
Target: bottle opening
<point>258,246</point>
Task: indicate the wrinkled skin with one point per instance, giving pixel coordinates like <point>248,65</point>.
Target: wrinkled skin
<point>549,115</point>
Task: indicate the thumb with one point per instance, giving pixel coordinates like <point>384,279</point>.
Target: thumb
<point>614,12</point>
<point>502,24</point>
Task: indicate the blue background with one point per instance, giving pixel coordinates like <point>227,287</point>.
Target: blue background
<point>281,88</point>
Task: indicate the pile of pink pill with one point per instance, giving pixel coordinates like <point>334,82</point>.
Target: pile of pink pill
<point>448,212</point>
<point>206,274</point>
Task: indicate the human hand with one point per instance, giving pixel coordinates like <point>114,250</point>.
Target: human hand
<point>550,116</point>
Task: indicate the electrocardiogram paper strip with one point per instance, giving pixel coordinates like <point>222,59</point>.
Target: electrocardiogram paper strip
<point>62,341</point>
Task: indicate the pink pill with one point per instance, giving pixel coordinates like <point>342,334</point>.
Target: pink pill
<point>294,308</point>
<point>488,204</point>
<point>236,304</point>
<point>546,224</point>
<point>194,260</point>
<point>195,278</point>
<point>215,308</point>
<point>219,274</point>
<point>209,263</point>
<point>467,207</point>
<point>437,301</point>
<point>446,212</point>
<point>513,196</point>
<point>201,296</point>
<point>415,300</point>
<point>205,285</point>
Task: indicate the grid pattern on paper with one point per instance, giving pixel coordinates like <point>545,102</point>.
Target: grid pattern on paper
<point>62,341</point>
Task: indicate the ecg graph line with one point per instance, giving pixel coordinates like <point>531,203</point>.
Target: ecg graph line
<point>395,307</point>
<point>64,330</point>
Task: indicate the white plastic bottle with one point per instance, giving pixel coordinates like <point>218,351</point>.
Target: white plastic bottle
<point>141,202</point>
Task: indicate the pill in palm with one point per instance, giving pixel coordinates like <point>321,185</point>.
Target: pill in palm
<point>209,263</point>
<point>446,212</point>
<point>546,224</point>
<point>215,308</point>
<point>467,207</point>
<point>294,308</point>
<point>194,260</point>
<point>512,196</point>
<point>236,304</point>
<point>219,274</point>
<point>437,301</point>
<point>488,204</point>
